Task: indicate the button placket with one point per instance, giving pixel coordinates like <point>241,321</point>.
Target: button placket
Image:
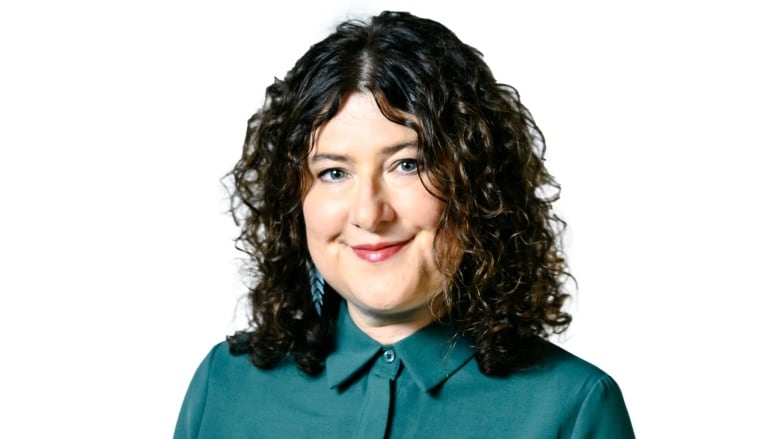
<point>375,416</point>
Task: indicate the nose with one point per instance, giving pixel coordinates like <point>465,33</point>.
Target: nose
<point>370,206</point>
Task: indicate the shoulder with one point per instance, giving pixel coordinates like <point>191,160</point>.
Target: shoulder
<point>220,357</point>
<point>223,367</point>
<point>219,367</point>
<point>557,376</point>
<point>597,408</point>
<point>560,394</point>
<point>226,393</point>
<point>564,376</point>
<point>570,368</point>
<point>194,406</point>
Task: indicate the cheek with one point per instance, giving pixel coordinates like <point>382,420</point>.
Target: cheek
<point>424,210</point>
<point>322,217</point>
<point>311,223</point>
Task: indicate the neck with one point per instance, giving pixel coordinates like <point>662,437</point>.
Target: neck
<point>389,329</point>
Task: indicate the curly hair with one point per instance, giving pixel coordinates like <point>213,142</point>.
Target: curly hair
<point>498,240</point>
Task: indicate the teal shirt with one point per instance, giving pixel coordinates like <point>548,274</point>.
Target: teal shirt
<point>425,386</point>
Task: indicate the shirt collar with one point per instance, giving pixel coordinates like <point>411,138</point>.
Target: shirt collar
<point>433,354</point>
<point>353,350</point>
<point>430,355</point>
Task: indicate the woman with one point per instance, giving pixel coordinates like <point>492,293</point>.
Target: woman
<point>406,262</point>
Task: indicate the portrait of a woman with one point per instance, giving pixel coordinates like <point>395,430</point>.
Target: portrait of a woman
<point>406,263</point>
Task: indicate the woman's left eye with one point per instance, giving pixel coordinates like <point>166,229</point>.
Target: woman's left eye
<point>407,165</point>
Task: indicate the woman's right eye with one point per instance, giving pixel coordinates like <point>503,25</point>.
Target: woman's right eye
<point>332,174</point>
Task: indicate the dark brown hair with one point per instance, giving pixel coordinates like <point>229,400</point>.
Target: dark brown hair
<point>498,242</point>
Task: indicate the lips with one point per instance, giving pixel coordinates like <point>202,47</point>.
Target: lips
<point>378,252</point>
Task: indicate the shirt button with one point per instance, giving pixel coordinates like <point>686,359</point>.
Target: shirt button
<point>389,355</point>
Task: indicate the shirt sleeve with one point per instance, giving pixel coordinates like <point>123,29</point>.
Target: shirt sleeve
<point>603,413</point>
<point>191,413</point>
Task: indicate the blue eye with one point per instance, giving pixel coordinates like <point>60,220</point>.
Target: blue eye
<point>332,174</point>
<point>407,165</point>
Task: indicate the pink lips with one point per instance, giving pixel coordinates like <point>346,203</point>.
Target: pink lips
<point>378,252</point>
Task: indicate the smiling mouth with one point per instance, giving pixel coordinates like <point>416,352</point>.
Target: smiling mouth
<point>378,252</point>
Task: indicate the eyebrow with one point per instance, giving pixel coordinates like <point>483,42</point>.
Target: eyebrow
<point>387,151</point>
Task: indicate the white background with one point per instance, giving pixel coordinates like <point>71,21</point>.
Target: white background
<point>117,271</point>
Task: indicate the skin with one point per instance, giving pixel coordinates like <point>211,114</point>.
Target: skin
<point>370,222</point>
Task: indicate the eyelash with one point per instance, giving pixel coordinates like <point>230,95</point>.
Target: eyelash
<point>407,161</point>
<point>327,174</point>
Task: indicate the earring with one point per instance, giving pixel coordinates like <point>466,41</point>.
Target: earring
<point>317,287</point>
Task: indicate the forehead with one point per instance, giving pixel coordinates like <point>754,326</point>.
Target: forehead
<point>360,123</point>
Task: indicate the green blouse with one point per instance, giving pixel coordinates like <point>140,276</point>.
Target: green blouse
<point>425,386</point>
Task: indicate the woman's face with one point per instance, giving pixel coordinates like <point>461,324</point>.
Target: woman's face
<point>370,222</point>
